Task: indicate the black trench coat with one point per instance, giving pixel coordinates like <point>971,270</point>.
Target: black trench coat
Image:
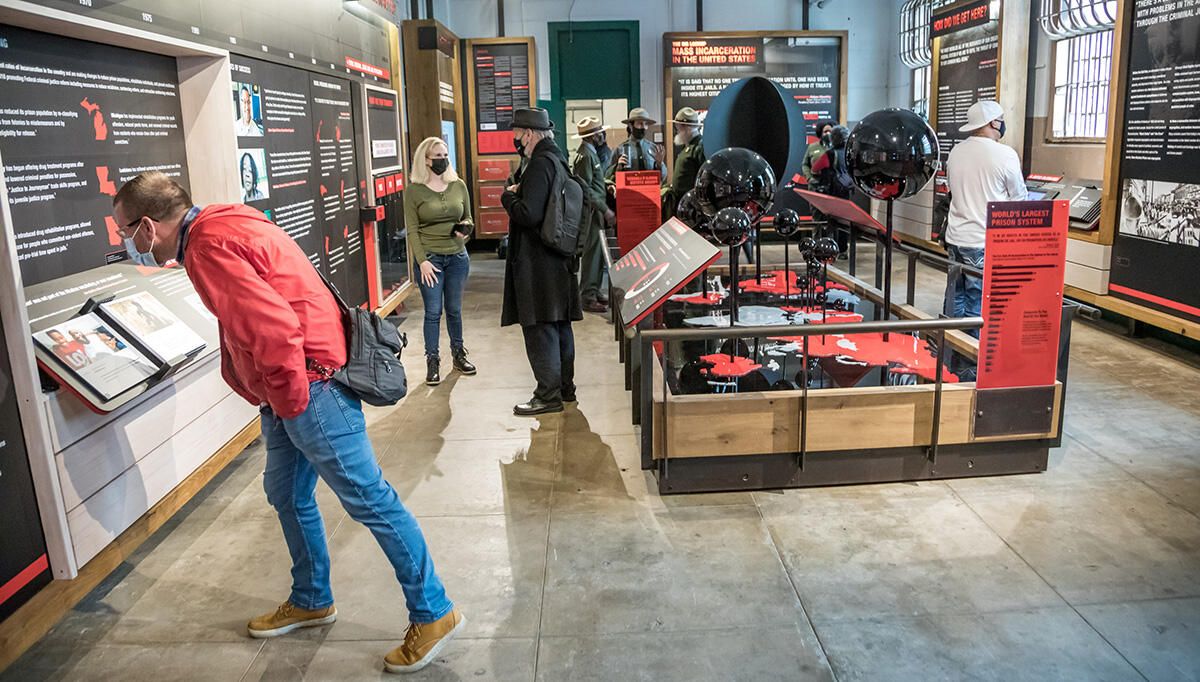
<point>540,285</point>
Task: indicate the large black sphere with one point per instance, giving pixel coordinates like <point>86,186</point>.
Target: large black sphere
<point>730,226</point>
<point>826,250</point>
<point>689,212</point>
<point>787,222</point>
<point>736,178</point>
<point>892,153</point>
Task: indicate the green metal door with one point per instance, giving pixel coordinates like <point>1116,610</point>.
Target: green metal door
<point>591,60</point>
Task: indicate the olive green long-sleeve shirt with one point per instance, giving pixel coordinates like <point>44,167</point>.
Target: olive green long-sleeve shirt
<point>430,216</point>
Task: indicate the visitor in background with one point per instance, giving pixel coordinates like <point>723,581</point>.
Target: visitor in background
<point>817,148</point>
<point>437,213</point>
<point>541,292</point>
<point>978,170</point>
<point>593,279</point>
<point>687,162</point>
<point>282,337</point>
<point>638,153</point>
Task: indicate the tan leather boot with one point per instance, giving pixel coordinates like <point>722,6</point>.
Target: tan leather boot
<point>287,618</point>
<point>422,643</point>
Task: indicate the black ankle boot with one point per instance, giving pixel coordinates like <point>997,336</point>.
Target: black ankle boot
<point>459,356</point>
<point>433,375</point>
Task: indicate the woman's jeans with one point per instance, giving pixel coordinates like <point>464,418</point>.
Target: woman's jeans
<point>329,439</point>
<point>446,294</point>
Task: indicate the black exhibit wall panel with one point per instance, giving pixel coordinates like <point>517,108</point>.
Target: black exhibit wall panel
<point>1156,253</point>
<point>296,160</point>
<point>78,119</point>
<point>383,129</point>
<point>24,568</point>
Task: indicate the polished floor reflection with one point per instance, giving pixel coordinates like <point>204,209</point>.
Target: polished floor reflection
<point>570,567</point>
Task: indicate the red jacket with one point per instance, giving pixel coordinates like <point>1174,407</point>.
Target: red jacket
<point>272,308</point>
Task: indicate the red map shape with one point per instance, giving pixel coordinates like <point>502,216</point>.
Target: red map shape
<point>114,239</point>
<point>901,349</point>
<point>712,298</point>
<point>101,128</point>
<point>106,186</point>
<point>773,283</point>
<point>728,367</point>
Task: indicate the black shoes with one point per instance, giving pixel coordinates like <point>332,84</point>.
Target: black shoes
<point>594,306</point>
<point>537,406</point>
<point>433,371</point>
<point>459,356</point>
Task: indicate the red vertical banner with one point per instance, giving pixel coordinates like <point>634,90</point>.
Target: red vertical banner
<point>1022,293</point>
<point>639,207</point>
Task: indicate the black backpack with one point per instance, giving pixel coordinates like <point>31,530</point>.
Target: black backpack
<point>564,211</point>
<point>836,180</point>
<point>373,369</point>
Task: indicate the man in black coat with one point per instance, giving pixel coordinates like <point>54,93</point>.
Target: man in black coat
<point>541,291</point>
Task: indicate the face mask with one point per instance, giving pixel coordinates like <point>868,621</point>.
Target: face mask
<point>599,140</point>
<point>439,166</point>
<point>519,146</point>
<point>827,139</point>
<point>1003,127</point>
<point>137,257</point>
<point>638,133</point>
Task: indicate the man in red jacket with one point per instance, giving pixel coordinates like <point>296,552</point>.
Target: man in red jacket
<point>281,338</point>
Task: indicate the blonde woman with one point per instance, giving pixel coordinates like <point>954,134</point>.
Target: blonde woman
<point>437,215</point>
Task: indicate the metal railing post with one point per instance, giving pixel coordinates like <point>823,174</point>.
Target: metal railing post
<point>937,400</point>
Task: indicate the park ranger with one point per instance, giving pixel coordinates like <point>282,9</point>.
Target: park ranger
<point>593,289</point>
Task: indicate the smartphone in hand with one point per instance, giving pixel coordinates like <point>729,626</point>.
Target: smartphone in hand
<point>463,229</point>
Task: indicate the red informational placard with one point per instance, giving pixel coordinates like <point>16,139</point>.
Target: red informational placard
<point>492,221</point>
<point>389,184</point>
<point>1022,293</point>
<point>494,169</point>
<point>380,188</point>
<point>399,179</point>
<point>639,207</point>
<point>489,196</point>
<point>494,142</point>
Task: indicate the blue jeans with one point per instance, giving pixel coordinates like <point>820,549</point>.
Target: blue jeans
<point>968,291</point>
<point>329,439</point>
<point>446,294</point>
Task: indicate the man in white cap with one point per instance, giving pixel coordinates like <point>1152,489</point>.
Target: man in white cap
<point>979,170</point>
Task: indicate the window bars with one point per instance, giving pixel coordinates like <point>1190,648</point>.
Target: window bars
<point>915,16</point>
<point>1069,18</point>
<point>1082,72</point>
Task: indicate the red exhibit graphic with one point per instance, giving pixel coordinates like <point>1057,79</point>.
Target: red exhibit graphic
<point>728,366</point>
<point>369,69</point>
<point>114,239</point>
<point>1022,293</point>
<point>639,202</point>
<point>98,124</point>
<point>106,186</point>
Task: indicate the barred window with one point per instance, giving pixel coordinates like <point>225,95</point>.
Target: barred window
<point>920,90</point>
<point>1082,71</point>
<point>915,16</point>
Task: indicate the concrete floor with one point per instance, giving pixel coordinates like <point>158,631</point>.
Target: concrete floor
<point>550,539</point>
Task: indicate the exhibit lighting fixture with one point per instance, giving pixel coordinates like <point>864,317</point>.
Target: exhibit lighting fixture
<point>1069,18</point>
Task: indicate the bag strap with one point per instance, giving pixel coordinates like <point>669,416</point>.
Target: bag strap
<point>337,296</point>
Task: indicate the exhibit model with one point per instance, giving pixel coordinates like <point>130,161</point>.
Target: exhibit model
<point>799,375</point>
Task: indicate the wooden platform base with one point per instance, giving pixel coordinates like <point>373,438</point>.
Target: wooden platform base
<point>35,618</point>
<point>1137,312</point>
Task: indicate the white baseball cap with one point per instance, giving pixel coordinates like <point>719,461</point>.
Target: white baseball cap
<point>980,114</point>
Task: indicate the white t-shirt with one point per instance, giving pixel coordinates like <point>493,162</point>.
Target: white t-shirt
<point>979,170</point>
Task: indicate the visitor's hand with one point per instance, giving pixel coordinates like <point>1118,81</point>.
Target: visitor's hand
<point>429,273</point>
<point>513,188</point>
<point>658,153</point>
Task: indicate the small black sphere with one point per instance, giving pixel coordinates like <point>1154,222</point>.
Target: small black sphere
<point>730,226</point>
<point>736,178</point>
<point>892,153</point>
<point>787,222</point>
<point>807,245</point>
<point>688,210</point>
<point>826,250</point>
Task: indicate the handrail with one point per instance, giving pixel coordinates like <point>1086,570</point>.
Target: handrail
<point>865,327</point>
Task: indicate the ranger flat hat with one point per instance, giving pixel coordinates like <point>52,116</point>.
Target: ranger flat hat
<point>533,119</point>
<point>687,115</point>
<point>980,114</point>
<point>590,125</point>
<point>638,114</point>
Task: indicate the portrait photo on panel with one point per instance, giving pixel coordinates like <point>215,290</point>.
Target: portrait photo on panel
<point>247,107</point>
<point>252,172</point>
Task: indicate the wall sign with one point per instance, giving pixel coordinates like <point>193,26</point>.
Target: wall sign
<point>1156,253</point>
<point>501,84</point>
<point>963,17</point>
<point>1023,268</point>
<point>78,119</point>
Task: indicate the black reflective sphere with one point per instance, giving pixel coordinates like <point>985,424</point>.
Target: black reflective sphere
<point>688,210</point>
<point>787,222</point>
<point>806,247</point>
<point>826,250</point>
<point>892,153</point>
<point>736,178</point>
<point>730,226</point>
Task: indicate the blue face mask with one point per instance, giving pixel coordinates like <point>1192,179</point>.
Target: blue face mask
<point>137,257</point>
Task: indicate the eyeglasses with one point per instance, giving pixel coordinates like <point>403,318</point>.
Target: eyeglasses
<point>125,231</point>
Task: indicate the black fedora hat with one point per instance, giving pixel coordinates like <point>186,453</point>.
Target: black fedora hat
<point>534,119</point>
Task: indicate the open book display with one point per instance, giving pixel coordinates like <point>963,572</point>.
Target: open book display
<point>113,350</point>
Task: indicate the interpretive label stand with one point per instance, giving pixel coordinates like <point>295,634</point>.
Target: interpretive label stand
<point>658,267</point>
